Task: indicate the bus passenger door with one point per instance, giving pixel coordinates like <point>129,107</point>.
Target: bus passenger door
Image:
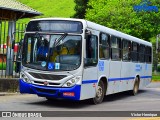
<point>88,88</point>
<point>104,56</point>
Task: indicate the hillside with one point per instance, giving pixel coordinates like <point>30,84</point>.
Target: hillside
<point>50,8</point>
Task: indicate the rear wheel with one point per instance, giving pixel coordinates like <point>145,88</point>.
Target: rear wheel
<point>99,93</point>
<point>136,86</point>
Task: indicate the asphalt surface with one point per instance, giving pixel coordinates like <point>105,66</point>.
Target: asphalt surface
<point>147,99</point>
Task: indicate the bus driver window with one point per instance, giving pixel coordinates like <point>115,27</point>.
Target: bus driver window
<point>91,50</point>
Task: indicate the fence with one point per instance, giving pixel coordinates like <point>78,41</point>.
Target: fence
<point>18,34</point>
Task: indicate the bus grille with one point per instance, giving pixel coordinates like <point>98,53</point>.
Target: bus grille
<point>46,91</point>
<point>47,76</point>
<point>49,83</point>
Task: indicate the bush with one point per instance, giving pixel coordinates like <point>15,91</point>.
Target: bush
<point>158,68</point>
<point>2,67</point>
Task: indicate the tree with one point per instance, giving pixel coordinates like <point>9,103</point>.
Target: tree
<point>80,8</point>
<point>120,15</point>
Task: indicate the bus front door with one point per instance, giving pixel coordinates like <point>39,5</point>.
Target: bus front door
<point>90,73</point>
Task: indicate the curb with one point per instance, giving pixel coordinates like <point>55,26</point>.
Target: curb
<point>9,79</point>
<point>8,93</point>
<point>8,86</point>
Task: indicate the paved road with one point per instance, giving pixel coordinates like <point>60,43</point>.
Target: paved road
<point>148,99</point>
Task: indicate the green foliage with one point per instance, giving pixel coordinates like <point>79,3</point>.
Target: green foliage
<point>80,8</point>
<point>120,15</point>
<point>156,77</point>
<point>50,8</point>
<point>2,66</point>
<point>158,68</point>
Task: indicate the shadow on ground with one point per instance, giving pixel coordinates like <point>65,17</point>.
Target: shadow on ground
<point>61,103</point>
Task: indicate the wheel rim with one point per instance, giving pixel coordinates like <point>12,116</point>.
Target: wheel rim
<point>99,92</point>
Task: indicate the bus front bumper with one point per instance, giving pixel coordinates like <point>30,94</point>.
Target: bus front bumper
<point>72,93</point>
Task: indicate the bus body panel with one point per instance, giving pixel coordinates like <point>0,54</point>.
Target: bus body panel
<point>114,74</point>
<point>103,70</point>
<point>126,73</point>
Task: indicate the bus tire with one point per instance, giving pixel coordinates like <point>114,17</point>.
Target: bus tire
<point>136,86</point>
<point>50,99</point>
<point>99,93</point>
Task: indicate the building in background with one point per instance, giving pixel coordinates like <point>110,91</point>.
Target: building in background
<point>10,12</point>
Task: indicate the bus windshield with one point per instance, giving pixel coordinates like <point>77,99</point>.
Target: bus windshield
<point>52,51</point>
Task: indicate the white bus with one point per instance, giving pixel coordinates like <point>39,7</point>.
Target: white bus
<point>77,59</point>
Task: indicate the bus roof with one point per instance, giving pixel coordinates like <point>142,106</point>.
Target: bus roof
<point>101,28</point>
<point>116,33</point>
<point>71,19</point>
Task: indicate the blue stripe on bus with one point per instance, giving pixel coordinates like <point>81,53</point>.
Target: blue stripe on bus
<point>146,77</point>
<point>89,81</point>
<point>113,79</point>
<point>127,78</point>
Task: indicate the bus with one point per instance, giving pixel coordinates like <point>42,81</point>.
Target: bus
<point>75,59</point>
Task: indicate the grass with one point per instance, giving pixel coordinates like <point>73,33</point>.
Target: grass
<point>4,66</point>
<point>50,8</point>
<point>156,77</point>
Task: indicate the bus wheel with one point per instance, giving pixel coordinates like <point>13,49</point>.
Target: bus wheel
<point>50,99</point>
<point>136,86</point>
<point>99,93</point>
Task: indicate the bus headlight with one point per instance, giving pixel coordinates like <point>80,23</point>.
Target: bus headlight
<point>24,78</point>
<point>72,82</point>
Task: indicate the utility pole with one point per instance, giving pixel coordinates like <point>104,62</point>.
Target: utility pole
<point>157,51</point>
<point>157,42</point>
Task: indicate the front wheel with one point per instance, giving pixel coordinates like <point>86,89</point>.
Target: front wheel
<point>99,93</point>
<point>50,99</point>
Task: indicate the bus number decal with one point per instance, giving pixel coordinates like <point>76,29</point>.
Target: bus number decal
<point>138,67</point>
<point>101,65</point>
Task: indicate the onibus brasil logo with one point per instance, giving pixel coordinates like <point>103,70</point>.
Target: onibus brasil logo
<point>146,6</point>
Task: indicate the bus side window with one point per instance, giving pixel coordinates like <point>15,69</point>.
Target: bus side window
<point>126,45</point>
<point>115,48</point>
<point>141,53</point>
<point>148,54</point>
<point>91,51</point>
<point>134,52</point>
<point>104,46</point>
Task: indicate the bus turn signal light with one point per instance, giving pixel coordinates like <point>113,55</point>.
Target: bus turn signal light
<point>71,94</point>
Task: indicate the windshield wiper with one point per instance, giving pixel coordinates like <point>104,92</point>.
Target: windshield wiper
<point>57,41</point>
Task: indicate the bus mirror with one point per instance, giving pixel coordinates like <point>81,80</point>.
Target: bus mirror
<point>18,57</point>
<point>13,44</point>
<point>17,66</point>
<point>21,42</point>
<point>87,34</point>
<point>18,62</point>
